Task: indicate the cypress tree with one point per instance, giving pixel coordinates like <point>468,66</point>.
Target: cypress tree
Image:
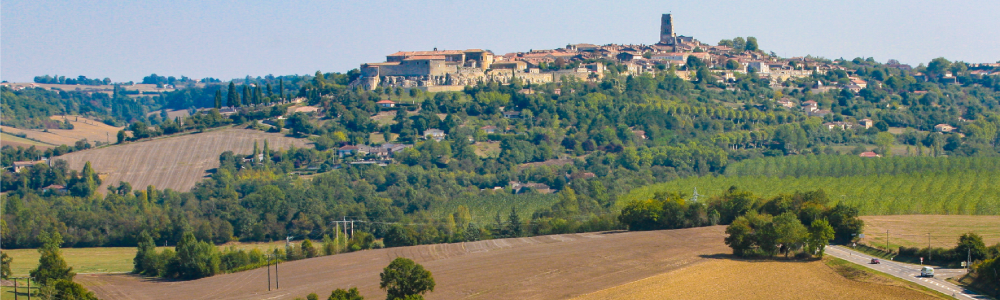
<point>231,100</point>
<point>218,99</point>
<point>259,96</point>
<point>281,89</point>
<point>270,93</point>
<point>246,95</point>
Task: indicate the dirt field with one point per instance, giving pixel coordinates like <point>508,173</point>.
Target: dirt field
<point>545,267</point>
<point>173,162</point>
<point>83,128</point>
<point>736,279</point>
<point>912,230</point>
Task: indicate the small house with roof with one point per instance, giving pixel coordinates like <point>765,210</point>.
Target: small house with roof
<point>943,128</point>
<point>436,134</point>
<point>386,103</point>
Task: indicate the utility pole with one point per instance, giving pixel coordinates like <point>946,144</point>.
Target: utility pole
<point>268,272</point>
<point>277,283</point>
<point>929,252</point>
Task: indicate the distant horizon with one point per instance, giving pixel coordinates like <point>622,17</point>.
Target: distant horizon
<point>230,40</point>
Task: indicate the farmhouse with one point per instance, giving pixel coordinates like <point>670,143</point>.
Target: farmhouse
<point>386,103</point>
<point>943,128</point>
<point>347,150</point>
<point>20,165</point>
<point>512,114</point>
<point>436,134</point>
<point>489,129</point>
<point>866,123</point>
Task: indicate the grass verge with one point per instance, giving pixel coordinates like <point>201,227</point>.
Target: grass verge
<point>856,272</point>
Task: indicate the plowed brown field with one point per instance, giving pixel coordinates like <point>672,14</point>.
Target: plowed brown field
<point>544,267</point>
<point>174,162</point>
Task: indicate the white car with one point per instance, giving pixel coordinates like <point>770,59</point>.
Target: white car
<point>927,272</point>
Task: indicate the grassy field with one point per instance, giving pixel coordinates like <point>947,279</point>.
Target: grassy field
<point>176,162</point>
<point>952,193</point>
<point>487,149</point>
<point>15,141</point>
<point>944,230</point>
<point>105,259</point>
<point>738,279</point>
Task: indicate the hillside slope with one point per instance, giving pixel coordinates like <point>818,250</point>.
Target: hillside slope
<point>175,162</point>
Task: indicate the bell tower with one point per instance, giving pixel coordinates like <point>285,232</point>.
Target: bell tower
<point>667,36</point>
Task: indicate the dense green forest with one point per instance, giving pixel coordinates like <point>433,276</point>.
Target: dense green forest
<point>614,135</point>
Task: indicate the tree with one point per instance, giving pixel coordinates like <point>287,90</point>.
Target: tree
<point>739,44</point>
<point>69,290</point>
<point>218,99</point>
<point>246,95</point>
<point>308,249</point>
<point>790,232</point>
<point>195,259</point>
<point>121,136</point>
<point>514,223</point>
<point>145,261</point>
<point>884,140</point>
<point>820,234</point>
<point>231,97</point>
<point>971,244</point>
<point>5,261</point>
<point>751,44</point>
<point>403,278</point>
<point>341,294</point>
<point>740,236</point>
<point>51,266</point>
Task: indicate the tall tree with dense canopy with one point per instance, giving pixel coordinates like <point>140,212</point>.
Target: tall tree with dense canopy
<point>404,278</point>
<point>51,265</point>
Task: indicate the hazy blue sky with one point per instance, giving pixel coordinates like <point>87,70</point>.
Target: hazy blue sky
<point>127,40</point>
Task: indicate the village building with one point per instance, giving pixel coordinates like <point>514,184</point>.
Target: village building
<point>436,134</point>
<point>943,128</point>
<point>866,123</point>
<point>386,103</point>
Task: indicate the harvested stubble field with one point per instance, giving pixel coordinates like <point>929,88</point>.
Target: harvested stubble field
<point>725,278</point>
<point>176,162</point>
<point>912,230</point>
<point>544,267</point>
<point>83,128</point>
<point>107,259</point>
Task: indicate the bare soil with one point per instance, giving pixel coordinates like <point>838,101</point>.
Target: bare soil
<point>176,162</point>
<point>544,267</point>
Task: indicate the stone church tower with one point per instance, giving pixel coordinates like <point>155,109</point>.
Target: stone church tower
<point>667,35</point>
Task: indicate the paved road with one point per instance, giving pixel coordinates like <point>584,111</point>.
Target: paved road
<point>909,272</point>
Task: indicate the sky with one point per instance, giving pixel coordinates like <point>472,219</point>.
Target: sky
<point>127,40</point>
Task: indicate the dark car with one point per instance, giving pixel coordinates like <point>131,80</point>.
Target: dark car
<point>875,261</point>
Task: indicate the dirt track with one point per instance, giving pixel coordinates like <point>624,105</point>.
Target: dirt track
<point>545,267</point>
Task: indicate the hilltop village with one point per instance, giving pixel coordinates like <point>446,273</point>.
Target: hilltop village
<point>452,70</point>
